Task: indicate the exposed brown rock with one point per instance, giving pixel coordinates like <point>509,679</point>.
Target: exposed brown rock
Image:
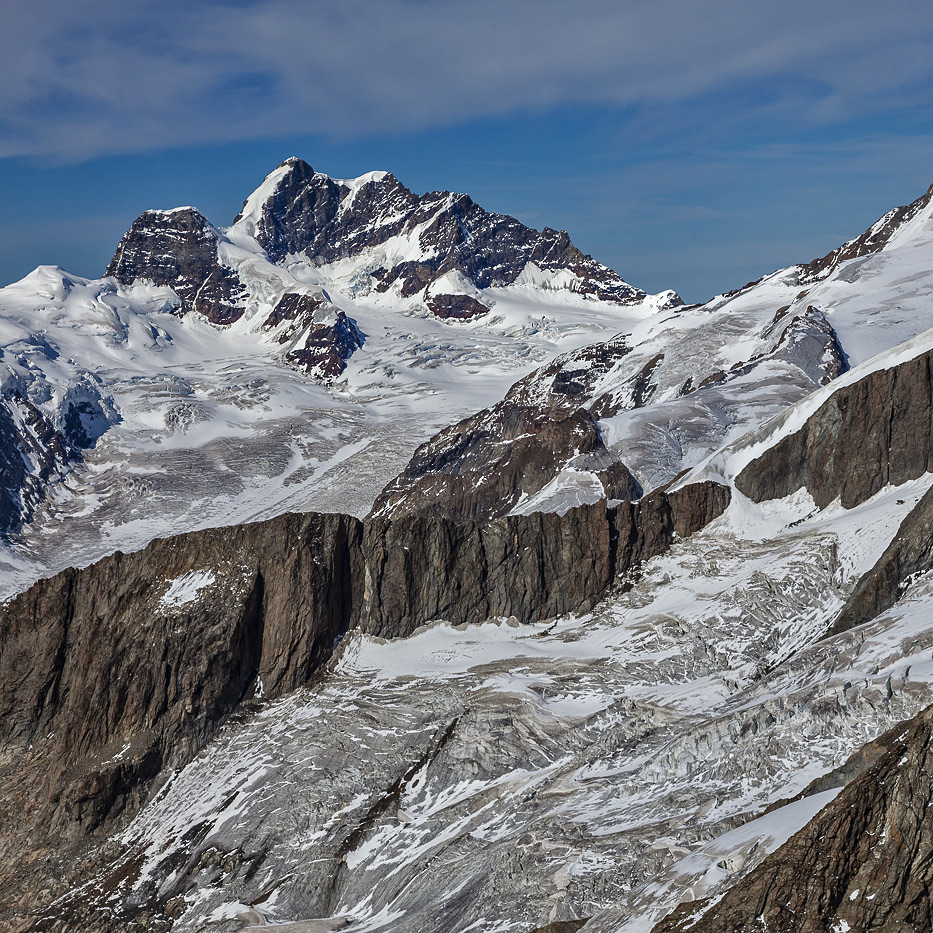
<point>530,567</point>
<point>322,337</point>
<point>458,307</point>
<point>308,213</point>
<point>179,249</point>
<point>294,307</point>
<point>865,862</point>
<point>94,659</point>
<point>644,388</point>
<point>480,467</point>
<point>102,659</point>
<point>910,552</point>
<point>868,435</point>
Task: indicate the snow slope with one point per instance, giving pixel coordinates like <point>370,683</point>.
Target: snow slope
<point>209,424</point>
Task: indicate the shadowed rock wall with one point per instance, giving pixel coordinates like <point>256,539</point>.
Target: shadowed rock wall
<point>910,552</point>
<point>112,673</point>
<point>865,862</point>
<point>866,436</point>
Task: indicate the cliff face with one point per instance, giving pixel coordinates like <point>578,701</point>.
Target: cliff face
<point>112,673</point>
<point>126,667</point>
<point>874,433</point>
<point>864,863</point>
<point>33,455</point>
<point>304,211</point>
<point>482,466</point>
<point>909,553</point>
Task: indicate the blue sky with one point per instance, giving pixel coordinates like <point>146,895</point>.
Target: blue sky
<point>689,146</point>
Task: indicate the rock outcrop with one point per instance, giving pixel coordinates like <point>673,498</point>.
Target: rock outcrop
<point>320,337</point>
<point>909,553</point>
<point>110,674</point>
<point>179,249</point>
<point>303,211</point>
<point>867,435</point>
<point>865,862</point>
<point>483,466</point>
<point>116,671</point>
<point>33,456</point>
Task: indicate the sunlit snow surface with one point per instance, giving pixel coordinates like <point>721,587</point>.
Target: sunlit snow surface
<point>494,777</point>
<point>215,429</point>
<point>499,776</point>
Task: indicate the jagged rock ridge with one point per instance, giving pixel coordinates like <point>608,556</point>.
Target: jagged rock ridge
<point>873,240</point>
<point>298,210</point>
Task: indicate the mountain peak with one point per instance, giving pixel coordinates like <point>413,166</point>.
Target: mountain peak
<point>411,240</point>
<point>876,238</point>
<point>178,248</point>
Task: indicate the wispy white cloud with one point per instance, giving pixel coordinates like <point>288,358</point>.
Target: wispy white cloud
<point>80,80</point>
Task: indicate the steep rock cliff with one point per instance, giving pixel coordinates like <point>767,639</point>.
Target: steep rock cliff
<point>867,435</point>
<point>865,862</point>
<point>112,673</point>
<point>179,249</point>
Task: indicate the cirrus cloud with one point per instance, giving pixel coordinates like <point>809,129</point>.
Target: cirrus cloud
<point>82,80</point>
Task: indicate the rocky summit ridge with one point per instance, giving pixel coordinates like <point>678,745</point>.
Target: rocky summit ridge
<point>635,636</point>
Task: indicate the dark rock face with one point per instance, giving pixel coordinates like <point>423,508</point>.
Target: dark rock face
<point>909,553</point>
<point>456,307</point>
<point>873,240</point>
<point>480,467</point>
<point>865,862</point>
<point>110,674</point>
<point>179,249</point>
<point>531,567</point>
<point>864,437</point>
<point>32,456</point>
<point>313,214</point>
<point>106,657</point>
<point>325,340</point>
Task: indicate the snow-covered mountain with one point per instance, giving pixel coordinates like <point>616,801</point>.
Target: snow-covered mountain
<point>679,384</point>
<point>291,361</point>
<point>693,544</point>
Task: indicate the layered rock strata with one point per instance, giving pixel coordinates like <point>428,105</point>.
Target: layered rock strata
<point>179,249</point>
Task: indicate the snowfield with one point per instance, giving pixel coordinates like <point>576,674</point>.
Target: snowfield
<point>598,767</point>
